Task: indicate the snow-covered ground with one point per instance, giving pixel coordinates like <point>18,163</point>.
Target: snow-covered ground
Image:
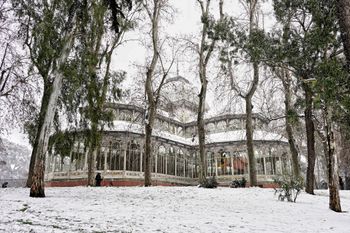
<point>168,209</point>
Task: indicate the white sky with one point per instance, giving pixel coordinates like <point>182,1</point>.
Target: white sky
<point>186,22</point>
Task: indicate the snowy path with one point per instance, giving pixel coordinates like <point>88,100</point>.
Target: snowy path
<point>168,209</point>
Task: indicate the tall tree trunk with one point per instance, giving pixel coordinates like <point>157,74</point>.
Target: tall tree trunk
<point>286,80</point>
<point>201,131</point>
<point>202,97</point>
<point>205,52</point>
<point>324,161</point>
<point>151,98</point>
<point>310,137</point>
<point>333,175</point>
<point>37,188</point>
<point>43,108</point>
<point>248,99</point>
<point>250,145</point>
<point>148,144</point>
<point>343,14</point>
<point>249,127</point>
<point>92,153</point>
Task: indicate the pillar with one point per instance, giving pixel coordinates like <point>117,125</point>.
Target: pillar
<point>232,167</point>
<point>53,163</point>
<point>70,161</point>
<point>156,161</point>
<point>192,170</point>
<point>175,163</point>
<point>125,149</point>
<point>105,159</point>
<point>166,163</point>
<point>86,159</point>
<point>141,158</point>
<point>281,164</point>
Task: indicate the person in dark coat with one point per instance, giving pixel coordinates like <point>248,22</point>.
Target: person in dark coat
<point>341,183</point>
<point>98,179</point>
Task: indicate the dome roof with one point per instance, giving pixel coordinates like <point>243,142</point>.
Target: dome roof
<point>179,88</point>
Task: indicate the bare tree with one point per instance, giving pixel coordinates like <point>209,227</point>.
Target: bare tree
<point>154,10</point>
<point>205,50</point>
<point>247,95</point>
<point>17,82</point>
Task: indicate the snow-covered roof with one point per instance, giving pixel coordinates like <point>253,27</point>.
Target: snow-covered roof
<point>229,136</point>
<point>240,135</point>
<point>137,128</point>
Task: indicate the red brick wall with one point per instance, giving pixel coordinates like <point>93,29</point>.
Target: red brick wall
<point>83,182</point>
<point>126,182</point>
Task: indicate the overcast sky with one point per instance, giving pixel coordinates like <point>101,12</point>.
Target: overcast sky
<point>186,22</point>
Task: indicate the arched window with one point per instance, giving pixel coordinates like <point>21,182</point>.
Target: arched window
<point>234,124</point>
<point>66,163</point>
<point>211,164</point>
<point>210,127</point>
<point>125,115</point>
<point>240,163</point>
<point>161,163</point>
<point>138,117</point>
<point>179,131</point>
<point>260,164</point>
<point>165,126</point>
<point>115,159</point>
<point>224,163</point>
<point>180,169</point>
<point>222,126</point>
<point>100,160</point>
<point>133,156</point>
<point>171,161</point>
<point>58,163</point>
<point>195,164</point>
<point>77,161</point>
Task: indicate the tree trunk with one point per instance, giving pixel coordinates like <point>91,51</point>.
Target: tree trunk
<point>205,52</point>
<point>333,176</point>
<point>148,146</point>
<point>92,153</point>
<point>289,128</point>
<point>249,126</point>
<point>250,145</point>
<point>37,188</point>
<point>324,161</point>
<point>201,132</point>
<point>43,108</point>
<point>343,14</point>
<point>310,137</point>
<point>248,101</point>
<point>152,100</point>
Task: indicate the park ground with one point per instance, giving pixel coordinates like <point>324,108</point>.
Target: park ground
<point>168,209</point>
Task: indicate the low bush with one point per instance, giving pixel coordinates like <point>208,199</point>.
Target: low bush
<point>210,183</point>
<point>289,187</point>
<point>238,183</point>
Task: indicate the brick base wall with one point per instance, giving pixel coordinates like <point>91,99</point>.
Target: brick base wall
<point>127,182</point>
<point>118,183</point>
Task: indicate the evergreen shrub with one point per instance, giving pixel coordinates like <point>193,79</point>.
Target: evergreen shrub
<point>289,187</point>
